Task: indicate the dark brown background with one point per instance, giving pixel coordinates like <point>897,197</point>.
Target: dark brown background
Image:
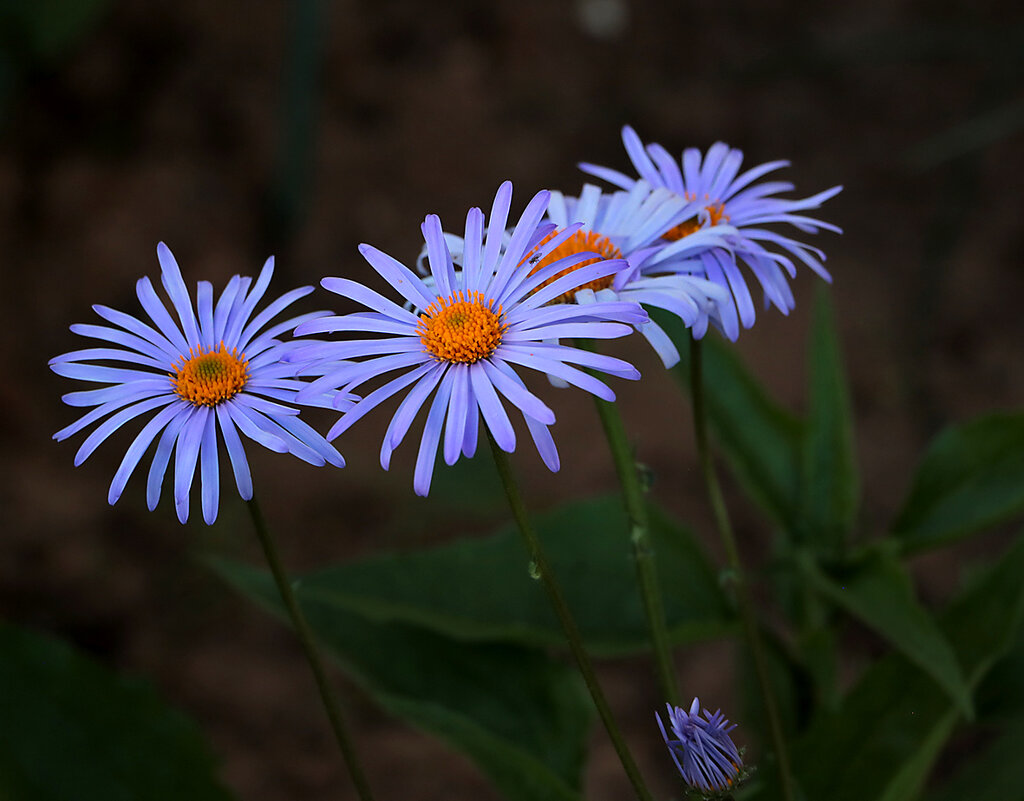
<point>166,122</point>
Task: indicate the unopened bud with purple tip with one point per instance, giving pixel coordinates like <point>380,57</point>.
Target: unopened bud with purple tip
<point>702,749</point>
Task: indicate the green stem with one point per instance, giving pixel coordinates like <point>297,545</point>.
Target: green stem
<point>306,638</point>
<point>744,601</point>
<point>643,550</point>
<point>561,609</point>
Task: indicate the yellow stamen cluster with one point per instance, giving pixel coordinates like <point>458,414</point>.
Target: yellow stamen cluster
<point>580,242</point>
<point>715,210</point>
<point>209,377</point>
<point>461,329</point>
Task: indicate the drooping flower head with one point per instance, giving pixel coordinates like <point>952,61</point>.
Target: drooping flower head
<point>726,196</point>
<point>466,334</point>
<point>217,368</point>
<point>629,224</point>
<point>701,747</point>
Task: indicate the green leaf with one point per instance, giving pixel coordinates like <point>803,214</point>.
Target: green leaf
<point>997,773</point>
<point>760,439</point>
<point>890,726</point>
<point>878,592</point>
<point>971,478</point>
<point>1000,697</point>
<point>830,484</point>
<point>71,729</point>
<point>481,589</point>
<point>522,717</point>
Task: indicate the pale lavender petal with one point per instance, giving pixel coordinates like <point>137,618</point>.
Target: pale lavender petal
<point>100,374</point>
<point>516,249</point>
<point>123,338</point>
<point>138,448</point>
<point>558,369</point>
<point>472,427</point>
<point>162,455</point>
<point>428,442</point>
<point>242,312</point>
<point>661,342</point>
<point>494,413</point>
<point>672,178</point>
<point>225,304</point>
<point>266,338</point>
<point>170,277</point>
<point>185,457</point>
<point>606,174</point>
<point>471,254</point>
<point>377,397</point>
<point>539,431</point>
<point>158,314</point>
<point>369,298</point>
<point>597,330</point>
<point>236,453</point>
<point>139,328</point>
<point>268,314</point>
<point>437,254</point>
<point>409,285</point>
<point>119,399</point>
<point>458,409</point>
<point>246,420</point>
<point>204,304</point>
<point>137,390</point>
<point>111,425</point>
<point>517,393</point>
<point>359,321</point>
<point>209,471</point>
<point>407,409</point>
<point>108,354</point>
<point>641,161</point>
<point>310,438</point>
<point>496,228</point>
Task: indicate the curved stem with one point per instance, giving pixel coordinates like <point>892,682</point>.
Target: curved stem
<point>306,638</point>
<point>744,601</point>
<point>643,550</point>
<point>561,609</point>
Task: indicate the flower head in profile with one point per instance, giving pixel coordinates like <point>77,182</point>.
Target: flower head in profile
<point>702,749</point>
<point>467,334</point>
<point>629,225</point>
<point>726,196</point>
<point>217,368</point>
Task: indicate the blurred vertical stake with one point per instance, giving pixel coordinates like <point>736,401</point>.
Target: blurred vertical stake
<point>288,193</point>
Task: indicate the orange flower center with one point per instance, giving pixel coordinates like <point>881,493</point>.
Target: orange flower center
<point>715,210</point>
<point>579,242</point>
<point>462,329</point>
<point>209,377</point>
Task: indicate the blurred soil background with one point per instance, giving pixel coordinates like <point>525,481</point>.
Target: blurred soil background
<point>233,131</point>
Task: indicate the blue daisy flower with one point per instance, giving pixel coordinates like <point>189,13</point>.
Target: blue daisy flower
<point>217,368</point>
<point>466,334</point>
<point>701,747</point>
<point>629,224</point>
<point>724,195</point>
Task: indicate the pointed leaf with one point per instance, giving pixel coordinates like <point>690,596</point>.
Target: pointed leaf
<point>879,593</point>
<point>891,724</point>
<point>71,729</point>
<point>481,589</point>
<point>830,483</point>
<point>972,477</point>
<point>522,717</point>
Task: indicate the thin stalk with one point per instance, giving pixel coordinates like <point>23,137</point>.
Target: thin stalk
<point>643,550</point>
<point>306,638</point>
<point>572,635</point>
<point>744,601</point>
